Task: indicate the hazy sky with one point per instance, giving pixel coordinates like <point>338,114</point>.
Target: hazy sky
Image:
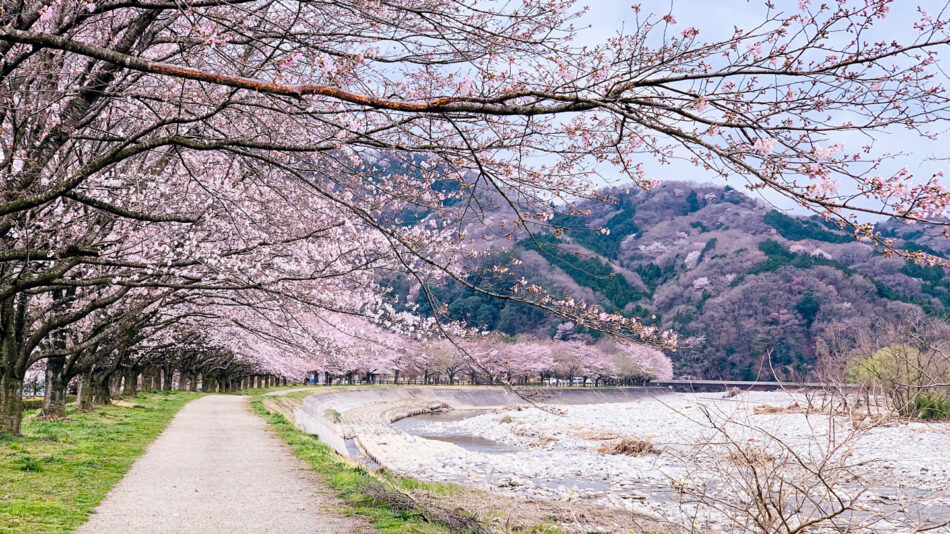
<point>716,19</point>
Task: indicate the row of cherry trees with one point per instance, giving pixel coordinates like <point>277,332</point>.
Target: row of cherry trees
<point>220,187</point>
<point>491,360</point>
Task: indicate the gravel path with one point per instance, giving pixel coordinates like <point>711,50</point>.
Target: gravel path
<point>218,468</point>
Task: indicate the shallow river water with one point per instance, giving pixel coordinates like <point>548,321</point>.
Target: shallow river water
<point>425,426</point>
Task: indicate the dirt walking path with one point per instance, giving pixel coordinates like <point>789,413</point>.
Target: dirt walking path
<point>217,468</point>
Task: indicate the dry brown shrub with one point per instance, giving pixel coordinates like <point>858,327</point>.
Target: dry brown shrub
<point>456,519</point>
<point>629,447</point>
<point>749,455</point>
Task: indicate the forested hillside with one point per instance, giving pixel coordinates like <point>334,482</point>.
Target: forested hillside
<point>737,279</point>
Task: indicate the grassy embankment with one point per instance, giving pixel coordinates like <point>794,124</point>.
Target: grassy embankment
<point>289,387</point>
<point>381,497</point>
<point>54,476</point>
<point>359,489</point>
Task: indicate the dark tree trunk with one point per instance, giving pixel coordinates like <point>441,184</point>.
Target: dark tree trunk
<point>11,404</point>
<point>193,386</point>
<point>86,393</point>
<point>169,375</point>
<point>146,381</point>
<point>183,380</point>
<point>11,382</point>
<point>102,391</point>
<point>54,404</point>
<point>130,383</point>
<point>115,386</point>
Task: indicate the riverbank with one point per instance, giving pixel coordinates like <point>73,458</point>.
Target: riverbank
<point>888,471</point>
<point>496,512</point>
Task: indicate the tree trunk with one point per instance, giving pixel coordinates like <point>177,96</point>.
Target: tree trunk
<point>102,391</point>
<point>146,381</point>
<point>184,381</point>
<point>54,404</point>
<point>169,373</point>
<point>130,387</point>
<point>157,379</point>
<point>115,386</point>
<point>193,386</point>
<point>11,404</point>
<point>11,382</point>
<point>84,397</point>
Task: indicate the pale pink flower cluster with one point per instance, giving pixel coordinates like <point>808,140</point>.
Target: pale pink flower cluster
<point>765,145</point>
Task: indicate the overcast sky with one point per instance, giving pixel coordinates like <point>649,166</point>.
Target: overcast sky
<point>716,19</point>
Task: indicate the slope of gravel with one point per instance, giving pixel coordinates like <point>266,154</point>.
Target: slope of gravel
<point>218,468</point>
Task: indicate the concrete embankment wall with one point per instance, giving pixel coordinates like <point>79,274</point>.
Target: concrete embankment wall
<point>320,412</point>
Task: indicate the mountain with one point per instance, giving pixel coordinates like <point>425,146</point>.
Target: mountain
<point>751,289</point>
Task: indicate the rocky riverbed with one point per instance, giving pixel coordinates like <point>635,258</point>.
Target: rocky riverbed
<point>699,452</point>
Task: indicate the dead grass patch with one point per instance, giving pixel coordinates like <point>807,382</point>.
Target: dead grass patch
<point>506,514</point>
<point>596,435</point>
<point>629,447</point>
<point>766,409</point>
<point>542,441</point>
<point>285,406</point>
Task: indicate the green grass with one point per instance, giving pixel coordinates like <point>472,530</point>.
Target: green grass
<point>35,403</point>
<point>53,477</point>
<point>352,483</point>
<point>261,391</point>
<point>929,407</point>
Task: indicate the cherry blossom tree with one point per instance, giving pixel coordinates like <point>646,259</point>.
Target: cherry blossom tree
<point>260,160</point>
